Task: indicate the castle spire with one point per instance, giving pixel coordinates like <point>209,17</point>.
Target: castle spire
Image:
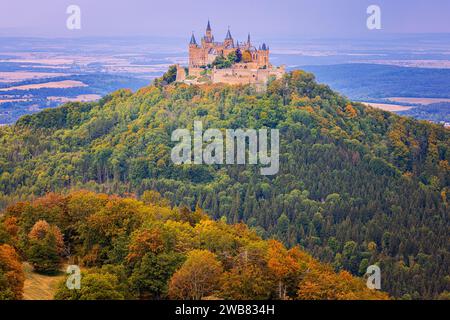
<point>193,41</point>
<point>248,39</point>
<point>208,36</point>
<point>228,37</point>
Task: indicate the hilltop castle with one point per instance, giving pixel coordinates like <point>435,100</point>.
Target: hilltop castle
<point>230,62</point>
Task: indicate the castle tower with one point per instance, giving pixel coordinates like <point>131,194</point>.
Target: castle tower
<point>229,42</point>
<point>194,58</point>
<point>208,39</point>
<point>263,56</point>
<point>193,42</point>
<point>209,31</point>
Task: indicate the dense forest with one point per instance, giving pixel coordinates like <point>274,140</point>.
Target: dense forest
<point>131,249</point>
<point>356,187</point>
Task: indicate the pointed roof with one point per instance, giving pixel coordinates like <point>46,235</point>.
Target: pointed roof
<point>193,41</point>
<point>208,27</point>
<point>264,47</point>
<point>228,37</point>
<point>248,39</point>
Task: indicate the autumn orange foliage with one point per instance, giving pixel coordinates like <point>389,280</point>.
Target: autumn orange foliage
<point>197,278</point>
<point>164,252</point>
<point>41,229</point>
<point>11,270</point>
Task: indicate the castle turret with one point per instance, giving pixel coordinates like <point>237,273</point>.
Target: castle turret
<point>228,36</point>
<point>263,56</point>
<point>229,42</point>
<point>193,42</point>
<point>208,35</point>
<point>194,52</point>
<point>208,39</point>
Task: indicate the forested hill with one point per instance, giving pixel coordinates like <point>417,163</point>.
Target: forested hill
<point>357,186</point>
<point>130,249</point>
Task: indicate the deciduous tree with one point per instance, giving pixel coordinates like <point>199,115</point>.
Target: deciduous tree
<point>11,274</point>
<point>198,277</point>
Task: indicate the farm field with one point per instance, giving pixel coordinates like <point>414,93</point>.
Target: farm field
<point>387,106</point>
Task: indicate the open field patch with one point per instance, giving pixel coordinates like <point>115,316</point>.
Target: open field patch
<point>79,98</point>
<point>387,106</point>
<point>38,286</point>
<point>18,76</point>
<point>53,85</point>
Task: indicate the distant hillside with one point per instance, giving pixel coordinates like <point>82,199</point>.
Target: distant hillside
<point>435,112</point>
<point>364,81</point>
<point>357,186</point>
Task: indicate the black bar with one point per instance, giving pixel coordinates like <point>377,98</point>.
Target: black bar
<point>260,310</point>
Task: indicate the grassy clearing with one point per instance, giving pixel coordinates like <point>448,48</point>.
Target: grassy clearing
<point>39,286</point>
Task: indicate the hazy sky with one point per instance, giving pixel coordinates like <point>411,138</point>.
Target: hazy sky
<point>264,18</point>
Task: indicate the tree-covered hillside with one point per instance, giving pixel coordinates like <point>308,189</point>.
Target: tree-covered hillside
<point>131,249</point>
<point>357,186</point>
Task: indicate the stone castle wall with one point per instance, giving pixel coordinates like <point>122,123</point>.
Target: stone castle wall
<point>239,75</point>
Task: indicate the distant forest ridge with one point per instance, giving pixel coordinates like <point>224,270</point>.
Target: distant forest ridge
<point>360,81</point>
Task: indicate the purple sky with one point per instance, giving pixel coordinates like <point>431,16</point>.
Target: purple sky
<point>264,18</point>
